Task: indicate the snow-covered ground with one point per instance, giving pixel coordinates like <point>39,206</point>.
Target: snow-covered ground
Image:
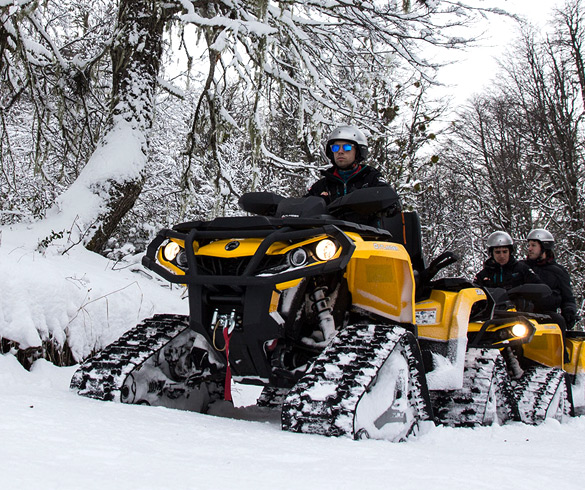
<point>53,438</point>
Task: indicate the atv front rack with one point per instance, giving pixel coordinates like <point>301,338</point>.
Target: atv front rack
<point>251,275</point>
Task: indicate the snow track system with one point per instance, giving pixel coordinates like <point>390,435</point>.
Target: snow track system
<point>367,383</point>
<point>543,393</point>
<point>487,395</point>
<point>159,362</point>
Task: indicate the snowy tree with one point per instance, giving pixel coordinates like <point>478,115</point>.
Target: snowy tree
<point>52,101</point>
<point>517,150</point>
<point>293,49</point>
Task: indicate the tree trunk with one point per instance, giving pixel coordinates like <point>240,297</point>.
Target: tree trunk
<point>136,57</point>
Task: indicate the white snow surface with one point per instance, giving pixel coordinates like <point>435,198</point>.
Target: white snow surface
<point>77,295</point>
<point>54,439</point>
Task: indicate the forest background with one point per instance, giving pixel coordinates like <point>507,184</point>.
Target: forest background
<point>218,98</point>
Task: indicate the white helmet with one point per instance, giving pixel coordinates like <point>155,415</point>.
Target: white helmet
<point>543,236</point>
<point>500,239</point>
<point>348,133</point>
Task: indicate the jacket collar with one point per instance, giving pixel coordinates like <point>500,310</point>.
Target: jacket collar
<point>333,172</point>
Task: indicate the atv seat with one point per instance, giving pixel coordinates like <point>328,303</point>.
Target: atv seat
<point>405,228</point>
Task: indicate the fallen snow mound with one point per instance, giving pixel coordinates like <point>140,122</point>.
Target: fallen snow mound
<point>76,297</point>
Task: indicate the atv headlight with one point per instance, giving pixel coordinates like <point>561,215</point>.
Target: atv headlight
<point>170,251</point>
<point>325,249</point>
<point>297,257</point>
<point>181,259</point>
<point>520,330</point>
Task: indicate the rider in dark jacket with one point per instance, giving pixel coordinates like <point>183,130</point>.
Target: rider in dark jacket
<point>501,269</point>
<point>337,182</point>
<point>346,148</point>
<point>541,259</point>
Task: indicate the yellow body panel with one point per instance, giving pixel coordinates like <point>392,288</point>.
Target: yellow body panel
<point>246,247</point>
<point>379,276</point>
<point>547,345</point>
<point>445,315</point>
<point>576,350</point>
<point>379,273</point>
<point>281,286</point>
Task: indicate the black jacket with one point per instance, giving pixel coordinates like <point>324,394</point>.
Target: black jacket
<point>332,186</point>
<point>513,274</point>
<point>557,278</point>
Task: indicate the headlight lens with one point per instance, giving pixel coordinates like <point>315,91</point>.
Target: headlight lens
<point>181,259</point>
<point>325,249</point>
<point>297,257</point>
<point>520,330</point>
<point>171,250</point>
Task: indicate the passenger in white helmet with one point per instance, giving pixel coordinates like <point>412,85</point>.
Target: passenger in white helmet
<point>347,149</point>
<point>540,257</point>
<point>502,269</point>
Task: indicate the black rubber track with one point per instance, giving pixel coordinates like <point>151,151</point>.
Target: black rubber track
<point>324,401</point>
<point>485,383</point>
<point>536,392</point>
<point>103,375</point>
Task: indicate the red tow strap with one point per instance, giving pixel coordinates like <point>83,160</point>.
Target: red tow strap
<point>228,372</point>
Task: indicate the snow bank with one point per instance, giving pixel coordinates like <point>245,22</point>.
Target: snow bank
<point>78,297</point>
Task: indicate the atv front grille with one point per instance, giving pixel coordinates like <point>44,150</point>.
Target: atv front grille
<point>219,266</point>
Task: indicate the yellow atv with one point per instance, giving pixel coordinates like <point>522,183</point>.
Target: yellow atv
<point>488,362</point>
<point>298,299</point>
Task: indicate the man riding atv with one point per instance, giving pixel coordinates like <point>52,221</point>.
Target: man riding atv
<point>502,269</point>
<point>346,148</point>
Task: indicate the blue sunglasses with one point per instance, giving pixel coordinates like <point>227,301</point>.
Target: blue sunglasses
<point>346,147</point>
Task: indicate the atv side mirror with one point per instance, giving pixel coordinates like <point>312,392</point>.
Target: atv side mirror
<point>262,203</point>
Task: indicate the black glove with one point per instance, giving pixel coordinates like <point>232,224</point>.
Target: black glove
<point>570,318</point>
